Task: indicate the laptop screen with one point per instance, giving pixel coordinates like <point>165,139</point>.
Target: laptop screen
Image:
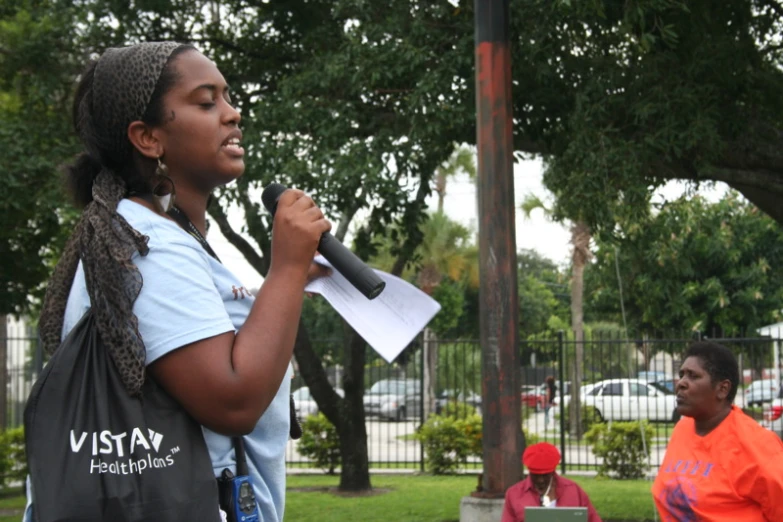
<point>563,514</point>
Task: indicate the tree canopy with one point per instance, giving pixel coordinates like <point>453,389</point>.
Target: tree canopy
<point>624,96</point>
<point>694,266</point>
<point>358,103</point>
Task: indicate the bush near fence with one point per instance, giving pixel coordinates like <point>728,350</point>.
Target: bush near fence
<point>13,461</point>
<point>624,448</point>
<point>320,442</point>
<point>589,417</point>
<point>453,436</point>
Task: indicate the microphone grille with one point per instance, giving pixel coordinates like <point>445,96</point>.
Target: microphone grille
<point>271,194</point>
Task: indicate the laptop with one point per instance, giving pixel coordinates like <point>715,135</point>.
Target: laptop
<point>563,514</point>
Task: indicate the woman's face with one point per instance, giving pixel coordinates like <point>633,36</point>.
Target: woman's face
<point>200,135</point>
<point>697,395</point>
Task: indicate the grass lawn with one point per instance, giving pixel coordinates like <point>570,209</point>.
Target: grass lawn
<point>422,498</point>
<point>12,503</point>
<point>413,498</point>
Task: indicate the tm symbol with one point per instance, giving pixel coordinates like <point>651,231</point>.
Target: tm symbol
<point>175,450</point>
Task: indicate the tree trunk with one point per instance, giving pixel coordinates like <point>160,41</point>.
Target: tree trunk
<point>580,238</point>
<point>440,188</point>
<point>347,414</point>
<point>355,474</point>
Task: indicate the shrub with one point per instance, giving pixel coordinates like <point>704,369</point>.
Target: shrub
<point>446,444</point>
<point>320,442</point>
<point>13,462</point>
<point>590,417</point>
<point>621,448</point>
<point>472,429</point>
<point>530,438</point>
<point>448,441</point>
<point>458,410</point>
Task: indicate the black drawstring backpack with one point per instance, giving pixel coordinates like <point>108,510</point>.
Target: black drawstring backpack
<point>97,454</point>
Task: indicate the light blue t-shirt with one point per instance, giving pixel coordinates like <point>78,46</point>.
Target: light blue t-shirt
<point>188,296</point>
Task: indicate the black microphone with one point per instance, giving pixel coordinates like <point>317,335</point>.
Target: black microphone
<point>361,276</point>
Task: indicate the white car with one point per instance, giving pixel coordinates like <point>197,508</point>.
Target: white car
<point>583,391</point>
<point>305,404</point>
<point>632,399</point>
<point>761,391</point>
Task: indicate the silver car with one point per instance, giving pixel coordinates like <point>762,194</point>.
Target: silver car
<point>305,404</point>
<point>395,399</point>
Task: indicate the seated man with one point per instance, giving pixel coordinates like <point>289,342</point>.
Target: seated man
<point>544,487</point>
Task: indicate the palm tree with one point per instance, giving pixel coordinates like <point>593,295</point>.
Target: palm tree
<point>461,160</point>
<point>580,255</point>
<point>445,252</point>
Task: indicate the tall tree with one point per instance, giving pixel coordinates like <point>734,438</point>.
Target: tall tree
<point>543,295</point>
<point>580,255</point>
<point>462,160</point>
<point>694,266</point>
<point>35,88</point>
<point>624,96</point>
<point>445,264</point>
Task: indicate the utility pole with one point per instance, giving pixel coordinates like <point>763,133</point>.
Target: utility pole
<point>499,304</point>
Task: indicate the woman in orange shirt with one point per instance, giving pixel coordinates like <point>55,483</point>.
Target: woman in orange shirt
<point>720,465</point>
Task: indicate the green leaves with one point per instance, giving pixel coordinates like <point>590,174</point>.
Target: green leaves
<point>627,95</point>
<point>694,266</point>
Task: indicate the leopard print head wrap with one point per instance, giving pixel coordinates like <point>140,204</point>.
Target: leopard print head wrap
<point>123,83</point>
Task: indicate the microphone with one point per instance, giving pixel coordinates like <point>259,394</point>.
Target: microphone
<point>361,276</point>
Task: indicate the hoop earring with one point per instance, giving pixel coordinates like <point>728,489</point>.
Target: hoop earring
<point>164,191</point>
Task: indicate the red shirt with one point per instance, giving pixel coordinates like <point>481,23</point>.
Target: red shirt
<point>523,494</point>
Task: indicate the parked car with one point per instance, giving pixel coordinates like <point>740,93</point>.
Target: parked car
<point>536,398</point>
<point>651,376</point>
<point>395,399</point>
<point>773,414</point>
<point>632,399</point>
<point>669,384</point>
<point>305,404</point>
<point>451,395</point>
<point>583,390</point>
<point>761,391</point>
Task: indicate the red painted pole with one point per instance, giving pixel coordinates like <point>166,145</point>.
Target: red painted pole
<point>502,430</point>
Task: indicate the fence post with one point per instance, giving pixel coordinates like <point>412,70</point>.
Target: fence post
<point>561,345</point>
<point>422,394</point>
<point>3,372</point>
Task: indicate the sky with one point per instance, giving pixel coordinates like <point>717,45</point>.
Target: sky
<point>536,233</point>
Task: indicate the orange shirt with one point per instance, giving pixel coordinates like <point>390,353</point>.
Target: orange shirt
<point>735,472</point>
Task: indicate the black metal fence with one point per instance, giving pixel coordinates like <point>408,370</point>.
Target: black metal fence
<point>622,379</point>
<point>20,349</point>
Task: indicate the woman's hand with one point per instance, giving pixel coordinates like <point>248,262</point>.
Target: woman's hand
<point>298,227</point>
<point>316,270</point>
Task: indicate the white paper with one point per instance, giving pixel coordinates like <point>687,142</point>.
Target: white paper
<point>390,321</point>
